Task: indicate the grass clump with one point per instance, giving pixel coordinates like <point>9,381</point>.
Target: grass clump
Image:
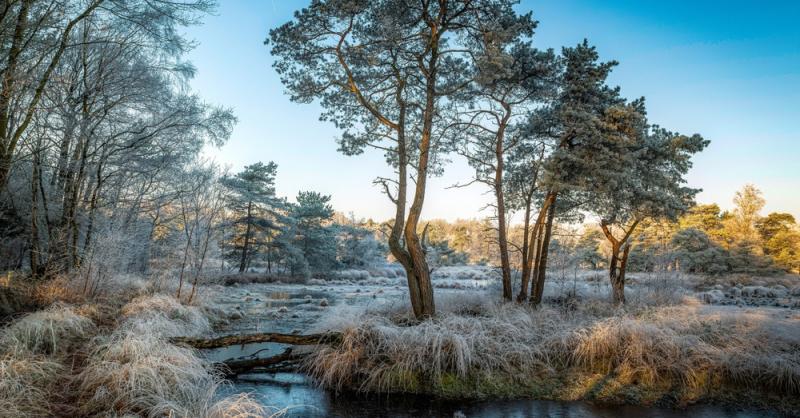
<point>238,406</point>
<point>144,374</point>
<point>26,381</point>
<point>50,331</point>
<point>165,316</point>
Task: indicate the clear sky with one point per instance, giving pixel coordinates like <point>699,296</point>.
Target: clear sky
<point>729,70</point>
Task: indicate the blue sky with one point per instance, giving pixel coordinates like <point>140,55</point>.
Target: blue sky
<point>727,70</point>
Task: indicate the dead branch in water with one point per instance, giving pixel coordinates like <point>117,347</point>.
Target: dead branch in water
<point>330,338</point>
<point>286,361</point>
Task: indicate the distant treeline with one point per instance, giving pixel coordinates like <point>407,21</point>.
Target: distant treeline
<point>704,240</point>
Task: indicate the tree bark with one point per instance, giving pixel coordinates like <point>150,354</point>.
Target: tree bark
<point>618,264</point>
<point>533,251</point>
<point>618,276</point>
<point>502,233</point>
<point>544,248</point>
<point>525,274</point>
<point>243,261</point>
<point>425,307</point>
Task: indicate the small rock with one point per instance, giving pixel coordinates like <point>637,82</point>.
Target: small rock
<point>283,309</point>
<point>235,315</point>
<point>323,302</point>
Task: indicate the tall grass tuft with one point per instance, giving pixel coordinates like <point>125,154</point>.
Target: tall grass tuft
<point>144,374</point>
<point>26,381</point>
<point>165,316</point>
<point>50,331</point>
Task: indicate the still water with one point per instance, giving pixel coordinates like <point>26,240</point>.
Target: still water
<point>297,396</point>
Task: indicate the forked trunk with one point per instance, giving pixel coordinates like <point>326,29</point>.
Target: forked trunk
<point>618,263</point>
<point>617,269</point>
<point>533,251</point>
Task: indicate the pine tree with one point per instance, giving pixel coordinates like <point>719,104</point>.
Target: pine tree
<point>253,203</point>
<point>315,237</point>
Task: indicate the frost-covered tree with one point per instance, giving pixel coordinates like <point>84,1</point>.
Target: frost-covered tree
<point>606,158</point>
<point>97,114</point>
<point>383,72</point>
<point>587,248</point>
<point>38,36</point>
<point>569,129</point>
<point>511,79</point>
<point>357,247</point>
<point>648,182</point>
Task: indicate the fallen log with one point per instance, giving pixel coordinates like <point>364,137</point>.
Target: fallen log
<point>330,338</point>
<point>286,361</point>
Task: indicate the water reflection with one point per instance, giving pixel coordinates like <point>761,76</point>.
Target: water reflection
<point>297,393</point>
